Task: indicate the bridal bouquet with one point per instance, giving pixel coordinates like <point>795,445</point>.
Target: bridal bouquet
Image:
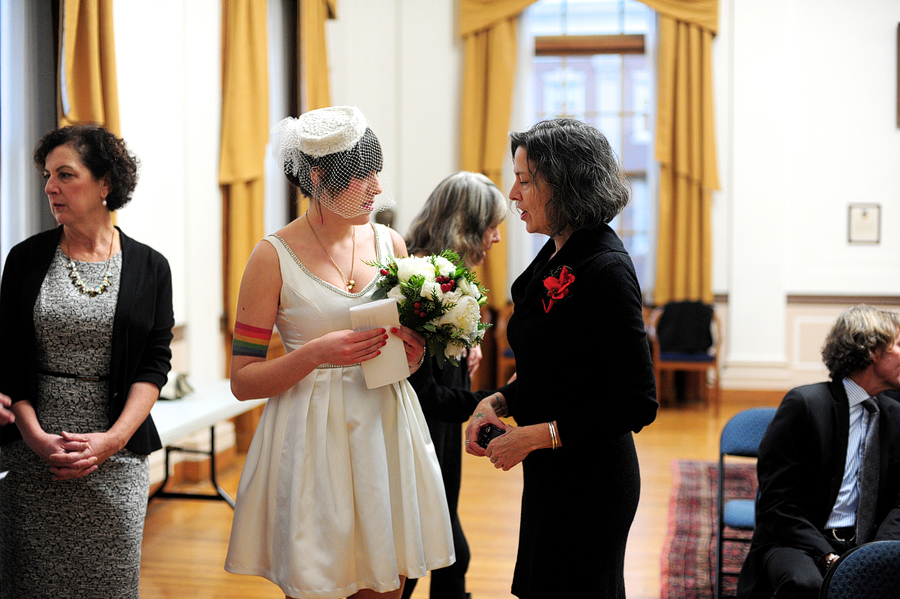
<point>439,297</point>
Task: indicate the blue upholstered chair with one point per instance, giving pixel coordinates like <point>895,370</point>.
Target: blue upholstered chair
<point>686,336</point>
<point>870,571</point>
<point>740,437</point>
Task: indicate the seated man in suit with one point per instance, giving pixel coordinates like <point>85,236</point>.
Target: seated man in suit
<point>820,491</point>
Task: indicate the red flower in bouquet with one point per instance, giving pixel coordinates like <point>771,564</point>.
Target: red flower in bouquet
<point>558,286</point>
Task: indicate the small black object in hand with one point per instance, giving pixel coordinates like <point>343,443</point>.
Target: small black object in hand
<point>487,433</point>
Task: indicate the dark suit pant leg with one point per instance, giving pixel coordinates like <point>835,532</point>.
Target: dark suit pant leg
<point>792,573</point>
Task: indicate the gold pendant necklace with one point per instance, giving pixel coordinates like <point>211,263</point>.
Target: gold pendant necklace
<point>75,276</point>
<point>350,284</point>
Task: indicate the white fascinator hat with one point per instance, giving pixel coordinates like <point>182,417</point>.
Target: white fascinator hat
<point>338,141</point>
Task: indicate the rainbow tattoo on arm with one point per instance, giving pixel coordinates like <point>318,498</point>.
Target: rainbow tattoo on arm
<point>250,341</point>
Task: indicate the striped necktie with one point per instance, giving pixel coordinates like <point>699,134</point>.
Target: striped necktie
<point>868,478</point>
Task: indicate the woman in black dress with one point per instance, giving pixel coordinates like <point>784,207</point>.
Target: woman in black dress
<point>86,319</point>
<point>585,378</point>
<point>463,214</point>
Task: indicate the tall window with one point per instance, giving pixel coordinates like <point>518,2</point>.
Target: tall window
<point>592,62</point>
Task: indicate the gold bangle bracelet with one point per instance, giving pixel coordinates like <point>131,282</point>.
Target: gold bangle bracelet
<point>554,440</point>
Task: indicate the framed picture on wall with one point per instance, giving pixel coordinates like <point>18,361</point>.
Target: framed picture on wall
<point>864,223</point>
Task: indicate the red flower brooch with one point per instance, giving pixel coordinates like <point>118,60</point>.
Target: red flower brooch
<point>558,285</point>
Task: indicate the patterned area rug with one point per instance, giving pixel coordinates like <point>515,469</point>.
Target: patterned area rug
<point>689,554</point>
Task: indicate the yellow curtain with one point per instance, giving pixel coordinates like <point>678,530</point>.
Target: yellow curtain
<point>245,132</point>
<point>488,29</point>
<point>702,13</point>
<point>313,60</point>
<point>685,149</point>
<point>88,89</point>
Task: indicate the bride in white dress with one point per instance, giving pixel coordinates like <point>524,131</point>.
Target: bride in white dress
<point>341,493</point>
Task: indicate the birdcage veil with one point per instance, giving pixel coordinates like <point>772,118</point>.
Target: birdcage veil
<point>333,157</point>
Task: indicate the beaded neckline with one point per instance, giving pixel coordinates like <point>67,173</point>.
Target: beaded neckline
<point>326,284</point>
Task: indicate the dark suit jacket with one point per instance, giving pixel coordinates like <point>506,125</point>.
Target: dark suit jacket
<point>800,468</point>
<point>142,328</point>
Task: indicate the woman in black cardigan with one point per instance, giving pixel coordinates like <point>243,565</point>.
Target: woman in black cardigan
<point>462,214</point>
<point>585,379</point>
<point>86,318</point>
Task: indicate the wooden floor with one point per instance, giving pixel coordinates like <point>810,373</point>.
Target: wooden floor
<point>185,540</point>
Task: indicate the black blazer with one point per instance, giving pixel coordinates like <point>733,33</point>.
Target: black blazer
<point>585,363</point>
<point>142,328</point>
<point>800,469</point>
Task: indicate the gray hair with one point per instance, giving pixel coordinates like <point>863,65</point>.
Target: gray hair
<point>856,336</point>
<point>575,160</point>
<point>456,216</point>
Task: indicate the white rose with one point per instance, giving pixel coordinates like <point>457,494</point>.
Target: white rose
<point>444,267</point>
<point>409,267</point>
<point>454,350</point>
<point>453,297</point>
<point>396,293</point>
<point>465,316</point>
<point>468,288</point>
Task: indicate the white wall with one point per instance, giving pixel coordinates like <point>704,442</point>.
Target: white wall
<point>806,95</point>
<point>400,61</point>
<point>168,56</point>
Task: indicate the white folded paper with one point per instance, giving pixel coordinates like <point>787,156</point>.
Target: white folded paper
<point>390,366</point>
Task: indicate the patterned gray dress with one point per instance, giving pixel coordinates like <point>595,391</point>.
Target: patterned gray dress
<point>76,538</point>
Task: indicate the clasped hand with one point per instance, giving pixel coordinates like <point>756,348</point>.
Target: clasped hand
<point>73,455</point>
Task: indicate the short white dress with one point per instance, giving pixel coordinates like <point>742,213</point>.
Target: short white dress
<point>341,489</point>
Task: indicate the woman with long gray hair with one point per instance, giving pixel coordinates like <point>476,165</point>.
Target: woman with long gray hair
<point>463,214</point>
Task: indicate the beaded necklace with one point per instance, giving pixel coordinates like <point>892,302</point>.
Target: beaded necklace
<point>76,276</point>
